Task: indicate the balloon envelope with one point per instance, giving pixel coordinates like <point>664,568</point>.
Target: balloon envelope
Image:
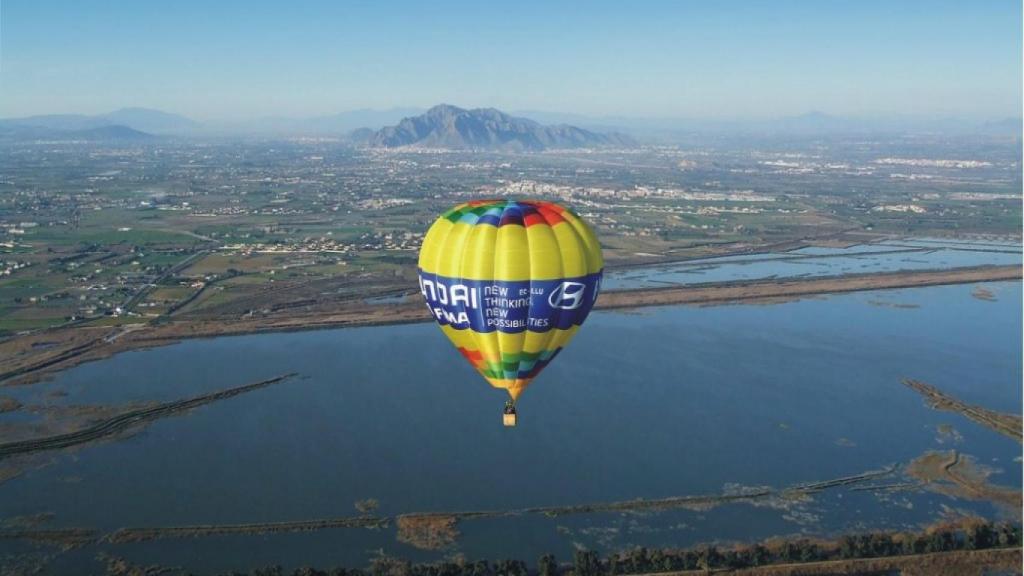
<point>510,283</point>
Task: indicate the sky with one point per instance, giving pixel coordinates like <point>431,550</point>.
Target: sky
<point>681,59</point>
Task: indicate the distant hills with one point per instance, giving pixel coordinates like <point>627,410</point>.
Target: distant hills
<point>157,122</point>
<point>810,124</point>
<point>149,120</point>
<point>451,127</point>
<point>137,119</point>
<point>110,132</point>
<point>447,126</point>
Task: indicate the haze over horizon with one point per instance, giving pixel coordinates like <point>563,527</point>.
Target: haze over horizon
<point>238,61</point>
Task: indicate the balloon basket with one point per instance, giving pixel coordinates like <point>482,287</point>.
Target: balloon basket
<point>508,419</point>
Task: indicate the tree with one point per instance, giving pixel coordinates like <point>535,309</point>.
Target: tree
<point>882,545</point>
<point>1009,535</point>
<point>940,541</point>
<point>670,562</point>
<point>586,563</point>
<point>848,547</point>
<point>735,559</point>
<point>710,558</point>
<point>547,566</point>
<point>809,552</point>
<point>759,555</point>
<point>615,566</point>
<point>480,568</point>
<point>979,536</point>
<point>656,559</point>
<point>387,566</point>
<point>691,560</point>
<point>640,561</point>
<point>510,568</point>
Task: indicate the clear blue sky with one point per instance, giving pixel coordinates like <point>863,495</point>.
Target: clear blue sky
<point>724,59</point>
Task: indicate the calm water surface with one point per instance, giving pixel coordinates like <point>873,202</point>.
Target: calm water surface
<point>888,256</point>
<point>648,404</point>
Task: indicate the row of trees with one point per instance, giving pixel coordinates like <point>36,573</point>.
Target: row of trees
<point>970,535</point>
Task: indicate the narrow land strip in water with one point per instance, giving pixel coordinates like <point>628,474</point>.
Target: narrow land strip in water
<point>126,420</point>
<point>698,502</point>
<point>753,291</point>
<point>1006,424</point>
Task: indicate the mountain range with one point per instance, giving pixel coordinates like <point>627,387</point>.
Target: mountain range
<point>450,127</point>
<point>104,133</point>
<point>137,119</point>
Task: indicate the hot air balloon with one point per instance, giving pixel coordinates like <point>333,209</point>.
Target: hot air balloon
<point>510,283</point>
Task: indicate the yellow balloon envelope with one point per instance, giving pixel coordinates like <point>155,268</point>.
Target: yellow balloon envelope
<point>510,283</point>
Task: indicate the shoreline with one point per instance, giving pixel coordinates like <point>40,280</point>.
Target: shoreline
<point>712,293</point>
<point>33,357</point>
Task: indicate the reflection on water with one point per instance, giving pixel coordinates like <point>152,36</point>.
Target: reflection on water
<point>666,402</point>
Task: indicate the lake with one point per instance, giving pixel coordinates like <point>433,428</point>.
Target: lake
<point>651,403</point>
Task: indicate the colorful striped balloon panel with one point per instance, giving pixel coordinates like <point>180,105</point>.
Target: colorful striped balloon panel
<point>510,282</point>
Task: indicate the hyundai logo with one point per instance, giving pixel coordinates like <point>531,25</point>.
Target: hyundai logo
<point>568,296</point>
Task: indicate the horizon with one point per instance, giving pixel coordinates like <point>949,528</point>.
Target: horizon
<point>239,62</point>
<point>417,110</point>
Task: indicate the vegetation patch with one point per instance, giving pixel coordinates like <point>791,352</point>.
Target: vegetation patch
<point>960,476</point>
<point>428,531</point>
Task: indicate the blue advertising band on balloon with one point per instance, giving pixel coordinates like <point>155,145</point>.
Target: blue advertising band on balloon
<point>510,306</point>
